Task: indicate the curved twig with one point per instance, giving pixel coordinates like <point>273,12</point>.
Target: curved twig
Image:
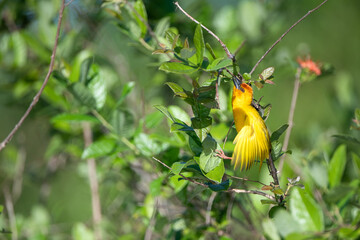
<point>37,96</point>
<point>228,53</point>
<point>284,34</point>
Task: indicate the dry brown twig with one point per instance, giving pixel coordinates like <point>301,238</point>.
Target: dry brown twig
<point>37,96</point>
<point>284,34</point>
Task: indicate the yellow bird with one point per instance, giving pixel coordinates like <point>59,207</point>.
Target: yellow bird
<point>252,141</point>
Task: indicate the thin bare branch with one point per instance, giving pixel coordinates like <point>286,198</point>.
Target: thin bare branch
<point>208,209</point>
<point>150,229</point>
<point>37,96</point>
<point>10,211</point>
<point>291,117</point>
<point>228,53</point>
<point>239,47</point>
<point>285,33</point>
<point>246,179</point>
<point>94,185</point>
<point>234,190</point>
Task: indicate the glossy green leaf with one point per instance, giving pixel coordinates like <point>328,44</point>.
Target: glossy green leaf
<point>337,166</point>
<point>141,16</point>
<point>165,111</point>
<point>276,135</point>
<point>100,148</point>
<point>218,64</point>
<point>97,85</point>
<point>177,167</point>
<point>152,120</point>
<point>178,182</point>
<point>306,211</point>
<point>146,145</point>
<point>221,186</point>
<point>186,53</point>
<point>83,94</point>
<point>285,223</point>
<point>178,91</point>
<point>199,44</point>
<point>176,67</point>
<point>276,150</point>
<point>208,161</point>
<point>211,51</point>
<point>217,173</point>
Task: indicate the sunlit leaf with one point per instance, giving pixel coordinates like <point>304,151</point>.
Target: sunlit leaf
<point>199,44</point>
<point>337,166</point>
<point>276,135</point>
<point>176,67</point>
<point>99,148</point>
<point>305,211</point>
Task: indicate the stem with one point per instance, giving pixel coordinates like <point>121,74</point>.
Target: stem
<point>291,116</point>
<point>37,96</point>
<point>284,34</point>
<point>208,209</point>
<point>10,210</point>
<point>94,185</point>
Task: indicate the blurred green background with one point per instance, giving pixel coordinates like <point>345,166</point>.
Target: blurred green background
<point>42,166</point>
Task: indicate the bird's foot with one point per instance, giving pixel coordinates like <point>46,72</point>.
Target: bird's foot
<point>220,153</point>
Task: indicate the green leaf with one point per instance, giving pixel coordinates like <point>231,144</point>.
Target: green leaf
<point>100,148</point>
<point>211,51</point>
<point>305,211</point>
<point>178,182</point>
<point>285,223</point>
<point>84,69</point>
<point>186,53</point>
<point>123,122</point>
<point>276,150</point>
<point>347,138</point>
<point>199,123</point>
<point>97,85</point>
<point>20,51</point>
<point>208,161</point>
<point>217,173</point>
<point>155,186</point>
<point>270,229</point>
<point>164,111</point>
<point>147,146</point>
<point>83,94</point>
<point>276,135</point>
<point>175,127</point>
<point>70,117</point>
<point>173,38</point>
<point>218,64</point>
<point>220,187</point>
<point>178,91</point>
<point>176,67</point>
<point>337,166</point>
<point>177,167</point>
<point>267,73</point>
<point>152,120</point>
<point>142,19</point>
<point>199,44</point>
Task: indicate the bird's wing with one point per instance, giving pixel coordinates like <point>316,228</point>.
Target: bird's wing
<point>251,142</point>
